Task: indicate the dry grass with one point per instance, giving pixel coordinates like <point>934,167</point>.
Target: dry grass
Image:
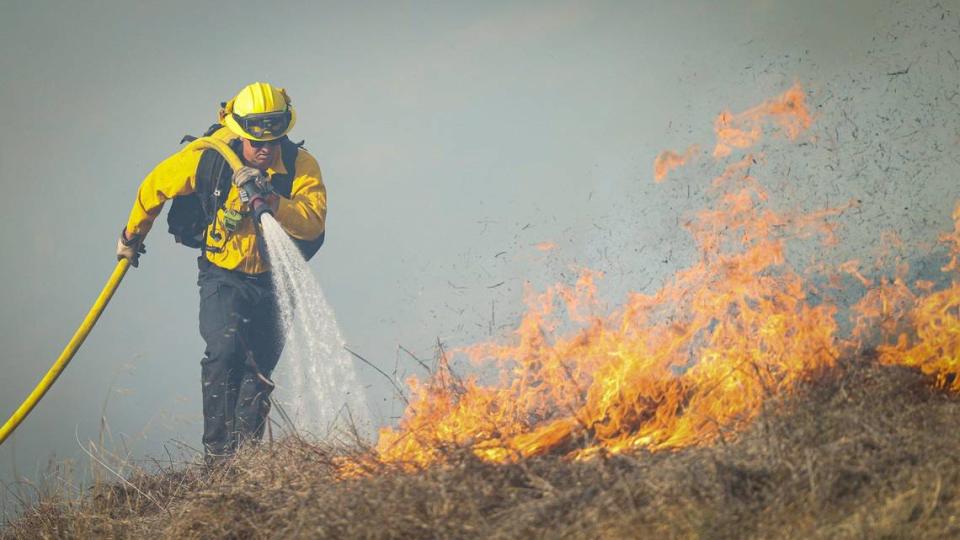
<point>867,452</point>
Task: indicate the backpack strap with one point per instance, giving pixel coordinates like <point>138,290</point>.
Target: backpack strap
<point>190,215</point>
<point>213,184</point>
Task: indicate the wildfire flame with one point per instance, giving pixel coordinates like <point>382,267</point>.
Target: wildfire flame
<point>669,160</point>
<point>678,367</point>
<point>743,130</point>
<point>691,362</point>
<point>932,341</point>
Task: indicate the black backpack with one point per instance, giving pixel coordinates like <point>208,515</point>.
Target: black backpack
<point>191,215</point>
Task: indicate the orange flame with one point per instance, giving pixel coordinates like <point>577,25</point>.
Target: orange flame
<point>933,343</point>
<point>692,362</point>
<point>683,366</point>
<point>669,160</point>
<point>743,130</point>
<point>880,313</point>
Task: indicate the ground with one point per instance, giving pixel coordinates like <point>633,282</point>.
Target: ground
<point>867,451</point>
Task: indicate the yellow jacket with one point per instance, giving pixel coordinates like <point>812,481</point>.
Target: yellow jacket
<point>302,216</point>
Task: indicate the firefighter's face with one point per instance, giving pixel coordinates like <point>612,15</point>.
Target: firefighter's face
<point>260,154</point>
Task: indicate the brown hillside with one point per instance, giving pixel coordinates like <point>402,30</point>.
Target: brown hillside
<point>867,452</point>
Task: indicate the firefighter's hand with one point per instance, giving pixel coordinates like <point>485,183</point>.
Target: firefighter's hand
<point>130,248</point>
<point>246,174</point>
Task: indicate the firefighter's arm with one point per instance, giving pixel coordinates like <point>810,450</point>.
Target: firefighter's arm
<point>303,215</point>
<point>173,177</point>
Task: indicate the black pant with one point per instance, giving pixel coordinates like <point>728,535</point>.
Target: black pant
<point>240,324</point>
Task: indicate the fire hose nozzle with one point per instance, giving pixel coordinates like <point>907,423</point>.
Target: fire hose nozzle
<point>255,194</point>
<point>260,207</point>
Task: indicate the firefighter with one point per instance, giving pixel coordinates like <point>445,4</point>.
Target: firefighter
<point>211,211</point>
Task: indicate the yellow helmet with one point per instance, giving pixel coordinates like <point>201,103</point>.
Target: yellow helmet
<point>260,112</point>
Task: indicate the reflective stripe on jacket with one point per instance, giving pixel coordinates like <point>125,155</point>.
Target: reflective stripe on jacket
<point>301,216</point>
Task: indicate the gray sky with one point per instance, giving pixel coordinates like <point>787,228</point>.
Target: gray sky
<point>453,137</point>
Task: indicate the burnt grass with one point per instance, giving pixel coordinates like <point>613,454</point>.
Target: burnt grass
<point>866,451</point>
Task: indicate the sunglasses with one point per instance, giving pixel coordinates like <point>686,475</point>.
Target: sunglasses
<point>261,144</point>
<point>266,124</point>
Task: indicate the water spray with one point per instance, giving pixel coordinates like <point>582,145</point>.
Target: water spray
<point>316,382</point>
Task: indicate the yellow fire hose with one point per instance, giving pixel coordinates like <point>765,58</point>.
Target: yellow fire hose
<point>91,319</point>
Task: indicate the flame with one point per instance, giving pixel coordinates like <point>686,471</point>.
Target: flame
<point>545,246</point>
<point>788,111</point>
<point>932,341</point>
<point>882,311</point>
<point>682,366</point>
<point>692,362</point>
<point>669,160</point>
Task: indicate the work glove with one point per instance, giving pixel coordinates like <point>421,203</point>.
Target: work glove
<point>243,175</point>
<point>251,183</point>
<point>130,249</point>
